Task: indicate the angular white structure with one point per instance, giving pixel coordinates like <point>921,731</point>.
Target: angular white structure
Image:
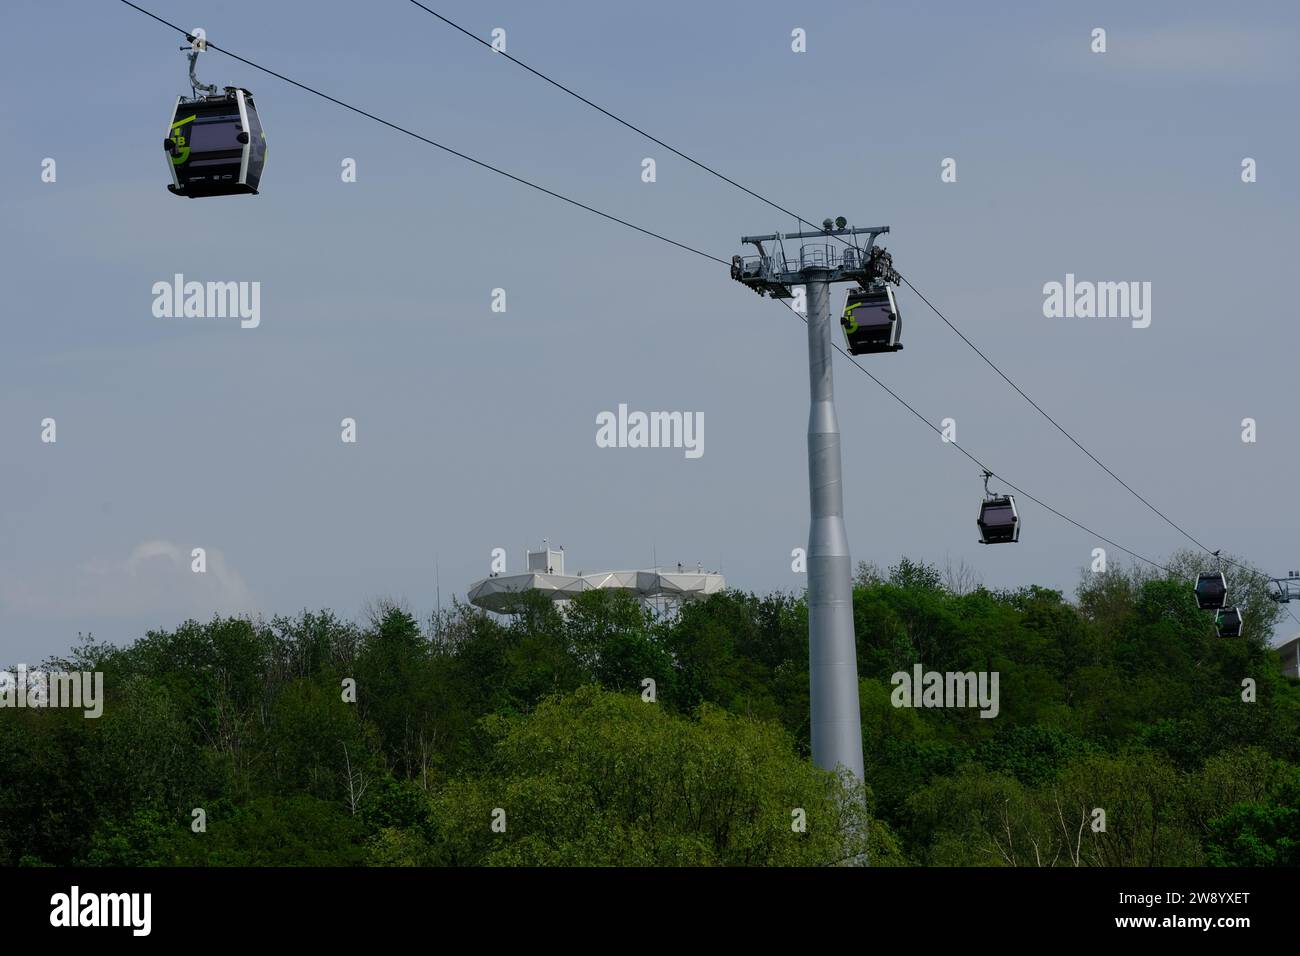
<point>504,593</point>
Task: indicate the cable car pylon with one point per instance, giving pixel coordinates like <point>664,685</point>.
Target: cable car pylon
<point>832,651</point>
<point>1286,589</point>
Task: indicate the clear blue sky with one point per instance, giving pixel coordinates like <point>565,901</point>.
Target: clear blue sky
<point>477,430</point>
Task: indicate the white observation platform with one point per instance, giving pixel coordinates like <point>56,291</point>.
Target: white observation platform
<point>504,593</point>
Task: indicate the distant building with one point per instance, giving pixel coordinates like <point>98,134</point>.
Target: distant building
<point>1290,654</point>
<point>663,590</point>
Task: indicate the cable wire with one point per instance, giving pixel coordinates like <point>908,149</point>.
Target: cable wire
<point>615,117</point>
<point>709,169</point>
<point>430,142</point>
<point>688,248</point>
<point>1054,422</point>
<point>983,467</point>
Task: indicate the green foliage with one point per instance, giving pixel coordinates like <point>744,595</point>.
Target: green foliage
<point>1262,832</point>
<point>1032,754</point>
<point>1253,835</point>
<point>597,778</point>
<point>985,818</point>
<point>269,831</point>
<point>1122,701</point>
<point>915,576</point>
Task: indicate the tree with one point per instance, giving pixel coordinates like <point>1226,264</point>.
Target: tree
<point>1123,701</point>
<point>596,778</point>
<point>1262,832</point>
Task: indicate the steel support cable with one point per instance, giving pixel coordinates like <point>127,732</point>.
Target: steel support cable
<point>681,245</point>
<point>1055,423</point>
<point>614,116</point>
<point>775,205</point>
<point>983,467</point>
<point>435,143</point>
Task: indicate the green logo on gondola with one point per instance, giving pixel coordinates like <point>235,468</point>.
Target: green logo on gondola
<point>848,321</point>
<point>182,145</point>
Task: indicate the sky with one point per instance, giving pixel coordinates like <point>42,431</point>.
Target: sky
<point>476,429</point>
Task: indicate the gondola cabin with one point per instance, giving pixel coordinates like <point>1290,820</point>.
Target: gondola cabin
<point>999,522</point>
<point>1227,623</point>
<point>1211,591</point>
<point>871,321</point>
<point>215,145</point>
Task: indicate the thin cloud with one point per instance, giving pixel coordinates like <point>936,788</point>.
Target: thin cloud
<point>156,577</point>
<point>1205,49</point>
<point>1209,51</point>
